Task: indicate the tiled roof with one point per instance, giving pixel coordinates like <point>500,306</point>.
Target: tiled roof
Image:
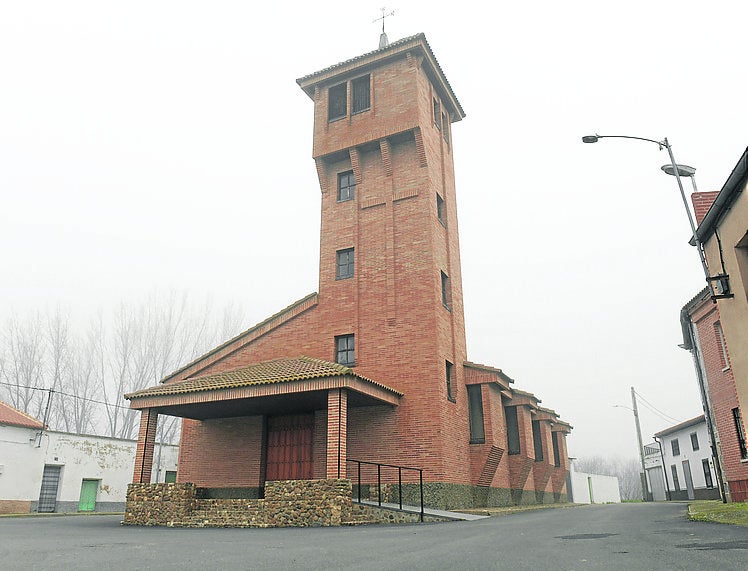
<point>699,419</point>
<point>480,367</point>
<point>14,417</point>
<point>392,47</point>
<point>266,372</point>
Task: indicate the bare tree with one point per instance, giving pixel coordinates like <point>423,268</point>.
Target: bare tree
<point>86,375</point>
<point>23,364</point>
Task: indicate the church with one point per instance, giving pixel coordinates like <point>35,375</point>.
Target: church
<point>373,368</point>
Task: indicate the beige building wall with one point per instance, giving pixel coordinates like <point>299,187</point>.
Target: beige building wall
<point>732,231</point>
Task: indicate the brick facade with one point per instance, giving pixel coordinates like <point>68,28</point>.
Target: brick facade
<point>403,305</point>
<point>722,393</point>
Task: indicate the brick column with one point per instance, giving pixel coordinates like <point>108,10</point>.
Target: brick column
<point>337,432</point>
<point>146,444</point>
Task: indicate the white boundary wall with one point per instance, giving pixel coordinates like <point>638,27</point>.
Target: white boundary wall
<point>594,488</point>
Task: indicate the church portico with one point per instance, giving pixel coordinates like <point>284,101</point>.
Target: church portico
<point>284,419</point>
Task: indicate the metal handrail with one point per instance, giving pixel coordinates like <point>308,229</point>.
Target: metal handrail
<point>400,469</point>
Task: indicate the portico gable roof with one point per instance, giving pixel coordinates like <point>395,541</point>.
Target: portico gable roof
<point>269,387</point>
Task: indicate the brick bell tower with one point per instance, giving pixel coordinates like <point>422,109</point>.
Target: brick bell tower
<point>390,283</point>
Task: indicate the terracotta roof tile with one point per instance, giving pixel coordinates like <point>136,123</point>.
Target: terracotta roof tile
<point>14,417</point>
<point>266,372</point>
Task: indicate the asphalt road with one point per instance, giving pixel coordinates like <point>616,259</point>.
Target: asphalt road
<point>624,536</point>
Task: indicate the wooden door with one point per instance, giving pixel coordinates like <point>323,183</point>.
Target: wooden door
<point>289,447</point>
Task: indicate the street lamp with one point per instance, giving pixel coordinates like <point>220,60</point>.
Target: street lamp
<point>721,287</point>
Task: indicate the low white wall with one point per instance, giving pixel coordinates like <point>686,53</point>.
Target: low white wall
<point>594,488</point>
<point>81,457</point>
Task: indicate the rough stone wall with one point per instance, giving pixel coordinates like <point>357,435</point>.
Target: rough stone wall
<point>290,503</point>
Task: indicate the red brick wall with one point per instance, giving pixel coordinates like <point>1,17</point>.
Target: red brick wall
<point>393,304</point>
<point>702,201</point>
<point>221,453</point>
<point>722,392</point>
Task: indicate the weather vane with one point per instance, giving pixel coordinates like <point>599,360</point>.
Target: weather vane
<point>383,41</point>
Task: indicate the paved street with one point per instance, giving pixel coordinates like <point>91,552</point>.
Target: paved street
<point>627,536</point>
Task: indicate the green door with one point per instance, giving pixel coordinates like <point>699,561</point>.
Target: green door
<point>88,496</point>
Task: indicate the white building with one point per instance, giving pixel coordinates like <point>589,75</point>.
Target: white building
<point>685,450</point>
<point>49,471</point>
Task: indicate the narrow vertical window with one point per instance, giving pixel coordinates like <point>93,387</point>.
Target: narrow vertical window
<point>361,94</point>
<point>537,440</point>
<point>740,433</point>
<point>475,413</point>
<point>448,372</point>
<point>707,473</point>
<point>724,359</point>
<point>676,483</point>
<point>694,441</point>
<point>440,210</point>
<point>445,128</point>
<point>344,264</point>
<point>346,186</point>
<point>675,445</point>
<point>437,115</point>
<point>512,430</point>
<point>344,350</point>
<point>556,450</point>
<point>446,293</point>
<point>337,102</point>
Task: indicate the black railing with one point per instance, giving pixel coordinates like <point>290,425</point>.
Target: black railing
<point>399,469</point>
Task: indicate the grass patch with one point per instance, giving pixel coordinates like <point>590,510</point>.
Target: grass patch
<point>717,512</point>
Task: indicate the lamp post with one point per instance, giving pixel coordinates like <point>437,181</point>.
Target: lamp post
<point>679,171</point>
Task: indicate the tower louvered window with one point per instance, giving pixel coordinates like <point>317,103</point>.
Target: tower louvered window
<point>337,103</point>
<point>361,94</point>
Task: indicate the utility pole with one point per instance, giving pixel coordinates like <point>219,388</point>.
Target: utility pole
<point>641,446</point>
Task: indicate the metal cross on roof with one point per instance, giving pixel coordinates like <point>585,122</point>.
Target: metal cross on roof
<point>383,16</point>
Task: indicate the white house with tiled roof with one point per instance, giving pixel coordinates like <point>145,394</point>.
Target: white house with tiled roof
<point>49,471</point>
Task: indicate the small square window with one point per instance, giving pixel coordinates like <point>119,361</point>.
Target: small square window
<point>446,291</point>
<point>437,115</point>
<point>344,350</point>
<point>346,186</point>
<point>694,441</point>
<point>344,264</point>
<point>675,445</point>
<point>440,210</point>
<point>337,102</point>
<point>361,94</point>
